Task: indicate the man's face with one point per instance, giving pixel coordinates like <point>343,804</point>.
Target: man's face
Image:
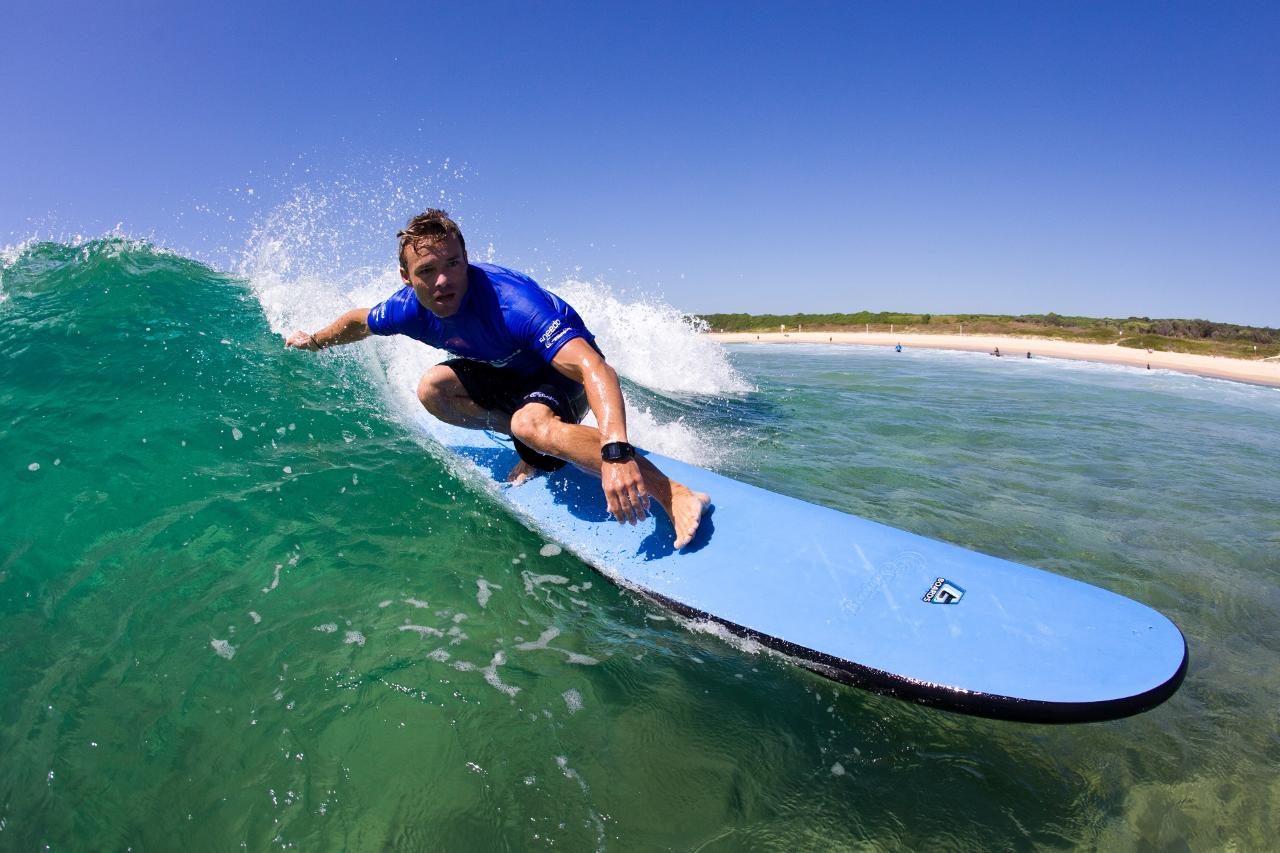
<point>437,272</point>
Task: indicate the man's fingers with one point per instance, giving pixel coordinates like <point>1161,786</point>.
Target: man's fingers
<point>628,508</point>
<point>640,505</point>
<point>624,509</point>
<point>614,505</point>
<point>640,496</point>
<point>301,340</point>
<point>626,497</point>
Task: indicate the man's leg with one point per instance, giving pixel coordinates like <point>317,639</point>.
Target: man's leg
<point>540,428</point>
<point>441,393</point>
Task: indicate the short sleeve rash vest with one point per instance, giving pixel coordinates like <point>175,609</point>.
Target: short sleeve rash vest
<point>506,319</point>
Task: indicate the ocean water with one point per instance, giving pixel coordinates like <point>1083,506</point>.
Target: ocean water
<point>245,603</point>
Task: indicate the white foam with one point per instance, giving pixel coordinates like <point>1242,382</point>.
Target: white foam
<point>423,631</point>
<point>541,643</point>
<point>484,591</point>
<point>9,254</point>
<point>572,700</point>
<point>551,549</point>
<point>353,638</point>
<point>275,579</point>
<point>652,343</point>
<point>416,602</point>
<point>544,643</point>
<point>257,620</point>
<point>715,629</point>
<point>532,581</point>
<point>490,673</point>
<point>223,649</point>
<point>327,628</point>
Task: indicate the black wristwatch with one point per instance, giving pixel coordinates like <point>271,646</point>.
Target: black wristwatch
<point>617,451</point>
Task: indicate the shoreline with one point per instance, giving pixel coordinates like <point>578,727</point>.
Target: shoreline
<point>1235,369</point>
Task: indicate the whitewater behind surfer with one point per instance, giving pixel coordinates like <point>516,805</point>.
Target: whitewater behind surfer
<point>525,365</point>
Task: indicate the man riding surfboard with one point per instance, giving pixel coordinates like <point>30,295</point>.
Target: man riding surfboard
<point>525,365</point>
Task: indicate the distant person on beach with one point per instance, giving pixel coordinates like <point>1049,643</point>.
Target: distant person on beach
<point>526,366</point>
<point>996,353</point>
<point>898,348</point>
<point>1028,355</point>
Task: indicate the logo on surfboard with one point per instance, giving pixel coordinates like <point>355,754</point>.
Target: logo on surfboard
<point>943,591</point>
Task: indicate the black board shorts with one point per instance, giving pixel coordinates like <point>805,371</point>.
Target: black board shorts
<point>498,389</point>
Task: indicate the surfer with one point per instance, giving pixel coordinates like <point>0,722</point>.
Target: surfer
<point>525,365</point>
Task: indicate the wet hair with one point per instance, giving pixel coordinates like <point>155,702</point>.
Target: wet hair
<point>428,227</point>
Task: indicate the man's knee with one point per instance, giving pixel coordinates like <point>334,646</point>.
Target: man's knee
<point>532,423</point>
<point>437,387</point>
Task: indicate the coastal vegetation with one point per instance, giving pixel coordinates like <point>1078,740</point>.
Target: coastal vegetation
<point>1191,336</point>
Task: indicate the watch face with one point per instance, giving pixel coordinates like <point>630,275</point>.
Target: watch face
<point>617,451</point>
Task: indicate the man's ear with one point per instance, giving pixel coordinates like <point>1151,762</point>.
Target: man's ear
<point>404,275</point>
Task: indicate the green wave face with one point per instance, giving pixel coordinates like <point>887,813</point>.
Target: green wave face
<point>168,471</point>
<point>151,395</point>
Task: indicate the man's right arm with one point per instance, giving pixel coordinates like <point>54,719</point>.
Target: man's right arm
<point>350,327</point>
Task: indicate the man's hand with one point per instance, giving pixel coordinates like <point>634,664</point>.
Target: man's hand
<point>302,340</point>
<point>350,327</point>
<point>624,491</point>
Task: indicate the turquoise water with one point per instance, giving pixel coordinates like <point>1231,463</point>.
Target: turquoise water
<point>243,601</point>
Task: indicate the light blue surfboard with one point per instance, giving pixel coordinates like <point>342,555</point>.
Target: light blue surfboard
<point>861,602</point>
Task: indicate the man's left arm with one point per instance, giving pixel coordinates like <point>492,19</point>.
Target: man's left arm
<point>623,485</point>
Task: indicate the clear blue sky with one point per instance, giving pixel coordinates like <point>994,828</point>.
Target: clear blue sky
<point>1094,158</point>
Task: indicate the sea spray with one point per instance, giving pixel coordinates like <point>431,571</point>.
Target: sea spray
<point>652,343</point>
<point>294,264</point>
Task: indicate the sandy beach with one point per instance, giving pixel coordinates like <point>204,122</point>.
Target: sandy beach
<point>1237,369</point>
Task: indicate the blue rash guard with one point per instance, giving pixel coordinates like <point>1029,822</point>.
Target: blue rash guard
<point>506,320</point>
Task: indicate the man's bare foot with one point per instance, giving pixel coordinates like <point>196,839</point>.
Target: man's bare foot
<point>520,473</point>
<point>687,507</point>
